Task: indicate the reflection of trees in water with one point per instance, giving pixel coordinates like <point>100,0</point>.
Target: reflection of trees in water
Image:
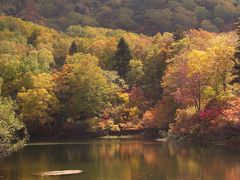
<point>186,162</point>
<point>131,160</point>
<point>208,163</point>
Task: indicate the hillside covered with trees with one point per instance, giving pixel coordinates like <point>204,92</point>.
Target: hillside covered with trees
<point>141,16</point>
<point>99,81</point>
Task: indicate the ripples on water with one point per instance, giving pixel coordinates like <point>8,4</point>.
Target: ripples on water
<point>123,160</point>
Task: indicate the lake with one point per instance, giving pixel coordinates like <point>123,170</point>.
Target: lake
<point>122,159</point>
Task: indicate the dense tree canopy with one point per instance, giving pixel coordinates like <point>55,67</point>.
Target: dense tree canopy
<point>99,80</point>
<point>144,16</point>
<point>83,90</point>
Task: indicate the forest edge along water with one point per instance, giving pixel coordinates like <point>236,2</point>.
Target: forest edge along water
<point>91,80</point>
<point>68,72</point>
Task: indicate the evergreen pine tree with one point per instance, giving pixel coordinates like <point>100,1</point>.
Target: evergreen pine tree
<point>33,38</point>
<point>178,34</point>
<point>236,59</point>
<point>73,48</point>
<point>122,58</point>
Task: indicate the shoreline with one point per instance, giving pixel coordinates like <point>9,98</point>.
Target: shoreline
<point>148,134</point>
<point>186,140</point>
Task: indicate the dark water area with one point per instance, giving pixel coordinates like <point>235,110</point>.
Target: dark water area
<point>123,160</point>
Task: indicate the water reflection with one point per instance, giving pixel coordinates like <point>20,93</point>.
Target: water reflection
<point>125,160</point>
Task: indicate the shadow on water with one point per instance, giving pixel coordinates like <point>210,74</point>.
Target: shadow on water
<point>124,159</point>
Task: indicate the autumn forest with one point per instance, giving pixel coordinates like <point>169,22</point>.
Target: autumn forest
<point>71,69</point>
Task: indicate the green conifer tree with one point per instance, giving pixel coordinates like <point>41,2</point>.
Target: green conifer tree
<point>122,58</point>
<point>33,38</point>
<point>73,48</point>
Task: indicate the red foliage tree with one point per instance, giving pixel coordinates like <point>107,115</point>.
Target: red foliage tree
<point>30,12</point>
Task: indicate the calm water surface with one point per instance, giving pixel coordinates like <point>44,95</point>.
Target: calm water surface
<point>123,160</point>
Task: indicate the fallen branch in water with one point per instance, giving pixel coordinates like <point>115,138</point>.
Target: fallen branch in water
<point>60,173</point>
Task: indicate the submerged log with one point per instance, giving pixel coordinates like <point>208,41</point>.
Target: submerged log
<point>60,173</point>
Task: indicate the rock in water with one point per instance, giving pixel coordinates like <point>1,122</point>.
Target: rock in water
<point>60,173</point>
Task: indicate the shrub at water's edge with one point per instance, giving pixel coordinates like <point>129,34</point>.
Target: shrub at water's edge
<point>12,131</point>
<point>218,123</point>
